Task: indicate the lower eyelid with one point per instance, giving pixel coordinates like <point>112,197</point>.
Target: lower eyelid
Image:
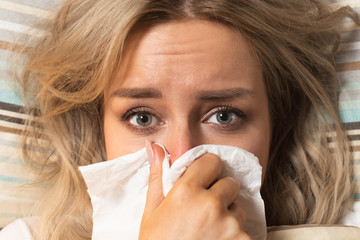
<point>143,130</point>
<point>233,127</point>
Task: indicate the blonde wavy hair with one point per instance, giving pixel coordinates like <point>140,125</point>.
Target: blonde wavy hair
<point>308,179</point>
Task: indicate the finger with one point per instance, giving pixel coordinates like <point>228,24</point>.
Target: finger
<point>239,214</point>
<point>227,189</point>
<point>155,190</point>
<point>204,171</point>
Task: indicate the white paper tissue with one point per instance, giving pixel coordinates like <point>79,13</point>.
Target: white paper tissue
<point>117,189</point>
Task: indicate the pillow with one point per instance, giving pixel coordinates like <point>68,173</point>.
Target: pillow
<point>15,18</point>
<point>313,232</point>
<point>16,201</point>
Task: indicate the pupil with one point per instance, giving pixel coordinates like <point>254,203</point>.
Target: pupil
<point>224,118</point>
<point>144,120</point>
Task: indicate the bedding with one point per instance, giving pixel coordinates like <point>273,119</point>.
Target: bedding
<point>313,232</point>
<point>16,17</point>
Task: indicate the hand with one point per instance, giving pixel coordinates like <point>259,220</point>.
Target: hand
<point>197,207</point>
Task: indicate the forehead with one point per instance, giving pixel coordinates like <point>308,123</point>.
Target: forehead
<point>191,51</point>
<point>177,37</point>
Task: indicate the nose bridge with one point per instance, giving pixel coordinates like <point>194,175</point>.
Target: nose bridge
<point>179,139</point>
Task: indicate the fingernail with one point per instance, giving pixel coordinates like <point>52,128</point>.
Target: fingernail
<point>166,154</point>
<point>149,151</point>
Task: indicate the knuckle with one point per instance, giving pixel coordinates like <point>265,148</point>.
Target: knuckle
<point>232,223</point>
<point>182,190</point>
<point>233,183</point>
<point>238,213</point>
<point>155,177</point>
<point>213,205</point>
<point>234,229</point>
<point>231,227</point>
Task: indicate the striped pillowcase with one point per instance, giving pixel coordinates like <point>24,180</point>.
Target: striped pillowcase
<point>349,72</point>
<point>15,15</point>
<point>16,200</point>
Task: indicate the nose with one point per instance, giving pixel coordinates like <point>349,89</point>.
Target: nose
<point>179,139</point>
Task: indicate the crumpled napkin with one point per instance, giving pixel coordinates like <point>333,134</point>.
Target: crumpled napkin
<point>118,188</point>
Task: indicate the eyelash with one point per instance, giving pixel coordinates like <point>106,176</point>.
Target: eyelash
<point>137,110</point>
<point>226,108</point>
<point>128,114</point>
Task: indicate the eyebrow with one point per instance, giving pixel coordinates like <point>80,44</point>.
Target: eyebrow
<point>223,94</point>
<point>137,93</point>
<point>202,95</point>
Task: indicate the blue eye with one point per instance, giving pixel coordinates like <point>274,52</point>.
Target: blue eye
<point>143,119</point>
<point>223,117</point>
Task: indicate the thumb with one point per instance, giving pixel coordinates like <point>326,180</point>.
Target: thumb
<point>155,194</point>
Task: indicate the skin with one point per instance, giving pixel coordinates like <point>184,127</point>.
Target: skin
<point>200,83</point>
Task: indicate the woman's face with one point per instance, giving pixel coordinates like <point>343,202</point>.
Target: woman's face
<point>187,83</point>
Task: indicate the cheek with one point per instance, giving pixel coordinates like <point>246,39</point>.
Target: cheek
<point>118,141</point>
<point>256,139</point>
<point>259,145</point>
<point>260,148</point>
<point>111,136</point>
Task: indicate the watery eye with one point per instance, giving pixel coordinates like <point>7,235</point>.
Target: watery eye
<point>143,120</point>
<point>223,117</point>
